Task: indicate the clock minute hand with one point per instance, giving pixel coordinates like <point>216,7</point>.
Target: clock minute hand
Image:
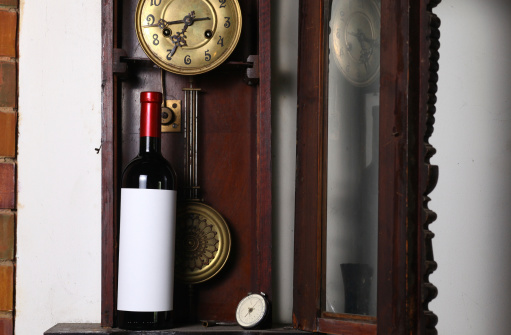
<point>192,20</point>
<point>162,23</point>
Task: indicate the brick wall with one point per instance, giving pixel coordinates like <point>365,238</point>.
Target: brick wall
<point>8,138</point>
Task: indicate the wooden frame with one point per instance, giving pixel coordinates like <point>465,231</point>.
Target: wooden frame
<point>109,153</point>
<point>409,62</point>
<point>260,151</point>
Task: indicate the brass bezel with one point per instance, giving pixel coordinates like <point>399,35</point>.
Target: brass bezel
<point>188,70</point>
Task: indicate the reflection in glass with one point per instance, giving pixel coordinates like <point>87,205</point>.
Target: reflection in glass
<point>352,156</point>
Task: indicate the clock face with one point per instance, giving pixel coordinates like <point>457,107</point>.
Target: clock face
<point>356,40</point>
<point>188,36</point>
<point>252,311</point>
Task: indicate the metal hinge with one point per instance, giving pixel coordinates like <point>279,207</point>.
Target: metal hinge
<point>252,73</point>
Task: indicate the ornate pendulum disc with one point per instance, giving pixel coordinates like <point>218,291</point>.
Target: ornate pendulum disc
<point>203,242</point>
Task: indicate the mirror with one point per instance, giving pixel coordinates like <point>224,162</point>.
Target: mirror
<point>353,77</point>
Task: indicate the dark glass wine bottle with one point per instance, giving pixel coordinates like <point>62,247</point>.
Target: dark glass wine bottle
<point>147,229</point>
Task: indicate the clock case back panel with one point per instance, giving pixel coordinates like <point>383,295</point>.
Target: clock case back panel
<point>234,131</point>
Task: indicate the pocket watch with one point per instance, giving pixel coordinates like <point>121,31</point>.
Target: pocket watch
<point>254,311</point>
<point>355,33</point>
<point>188,36</point>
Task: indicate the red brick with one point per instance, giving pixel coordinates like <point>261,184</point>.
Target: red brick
<point>8,84</point>
<point>6,324</point>
<point>13,3</point>
<point>6,286</point>
<point>8,29</point>
<point>7,186</point>
<point>6,236</point>
<point>8,134</point>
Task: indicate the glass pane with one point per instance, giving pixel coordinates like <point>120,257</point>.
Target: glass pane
<point>352,163</point>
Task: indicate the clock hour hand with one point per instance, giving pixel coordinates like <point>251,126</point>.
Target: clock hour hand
<point>179,39</point>
<point>191,20</point>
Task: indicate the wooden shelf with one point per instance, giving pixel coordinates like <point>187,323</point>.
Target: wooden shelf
<point>95,328</point>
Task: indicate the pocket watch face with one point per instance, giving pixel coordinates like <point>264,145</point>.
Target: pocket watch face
<point>355,39</point>
<point>252,311</point>
<point>188,36</point>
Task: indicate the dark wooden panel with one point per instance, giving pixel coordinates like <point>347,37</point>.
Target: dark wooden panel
<point>345,327</point>
<point>227,176</point>
<point>263,188</point>
<point>309,152</point>
<point>393,168</point>
<point>108,173</point>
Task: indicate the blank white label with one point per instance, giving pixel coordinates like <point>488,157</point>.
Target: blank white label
<point>146,250</point>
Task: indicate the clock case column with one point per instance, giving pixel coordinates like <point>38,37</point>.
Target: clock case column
<point>235,142</point>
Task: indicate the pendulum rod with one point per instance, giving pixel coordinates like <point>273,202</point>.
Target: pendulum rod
<point>191,141</point>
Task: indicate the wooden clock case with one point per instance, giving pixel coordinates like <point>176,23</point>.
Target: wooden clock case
<point>234,153</point>
<point>235,168</point>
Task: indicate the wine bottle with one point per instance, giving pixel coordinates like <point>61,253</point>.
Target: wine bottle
<point>147,229</point>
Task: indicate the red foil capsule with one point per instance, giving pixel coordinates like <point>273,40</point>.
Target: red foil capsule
<point>150,114</point>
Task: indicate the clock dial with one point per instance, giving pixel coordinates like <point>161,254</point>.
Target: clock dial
<point>188,36</point>
<point>252,311</point>
<point>356,40</point>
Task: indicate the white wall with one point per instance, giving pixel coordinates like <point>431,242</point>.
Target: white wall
<point>284,95</point>
<point>473,196</point>
<point>58,264</point>
<point>59,173</point>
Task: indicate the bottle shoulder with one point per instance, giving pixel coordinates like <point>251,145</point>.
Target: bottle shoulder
<point>149,171</point>
<point>148,160</point>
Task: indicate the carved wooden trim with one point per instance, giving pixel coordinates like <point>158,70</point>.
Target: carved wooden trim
<point>429,264</point>
<point>423,176</point>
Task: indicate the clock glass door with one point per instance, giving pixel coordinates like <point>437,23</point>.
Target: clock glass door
<point>351,157</point>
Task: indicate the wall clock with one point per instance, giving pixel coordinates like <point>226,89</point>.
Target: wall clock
<point>188,37</point>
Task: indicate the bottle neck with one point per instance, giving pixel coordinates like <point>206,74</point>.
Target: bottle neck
<point>150,145</point>
<point>150,123</point>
